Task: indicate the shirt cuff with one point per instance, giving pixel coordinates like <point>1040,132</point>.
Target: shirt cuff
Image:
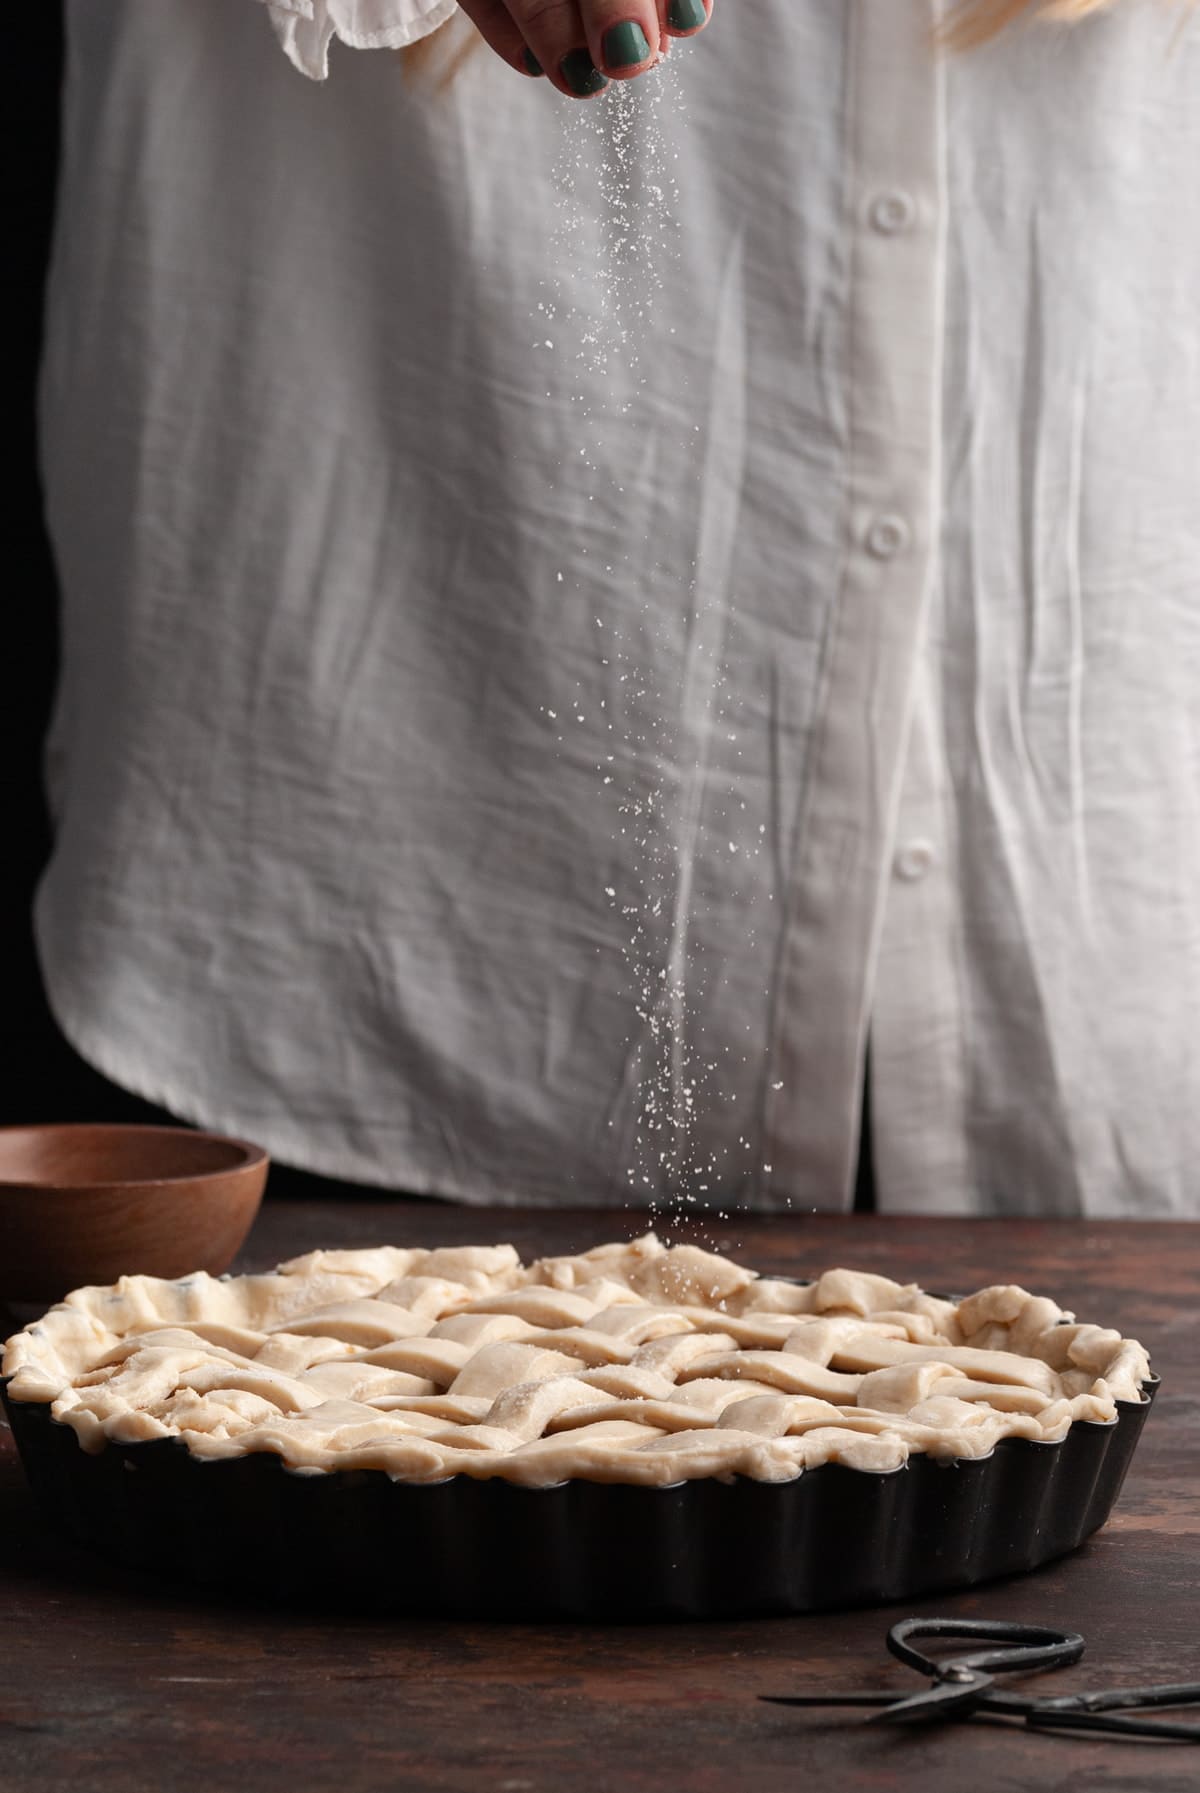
<point>306,27</point>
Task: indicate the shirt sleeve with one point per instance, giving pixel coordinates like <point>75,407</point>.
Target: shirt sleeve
<point>306,27</point>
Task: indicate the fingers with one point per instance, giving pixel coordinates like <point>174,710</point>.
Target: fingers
<point>581,45</point>
<point>584,44</point>
<point>498,28</point>
<point>623,36</point>
<point>555,31</point>
<point>684,17</point>
<point>627,37</point>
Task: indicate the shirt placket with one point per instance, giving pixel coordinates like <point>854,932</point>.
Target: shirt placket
<point>918,1061</point>
<point>840,881</point>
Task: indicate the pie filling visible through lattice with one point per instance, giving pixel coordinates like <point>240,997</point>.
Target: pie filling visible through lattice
<point>635,1362</point>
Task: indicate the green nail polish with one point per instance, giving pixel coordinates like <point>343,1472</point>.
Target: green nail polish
<point>685,15</point>
<point>625,45</point>
<point>531,62</point>
<point>581,74</point>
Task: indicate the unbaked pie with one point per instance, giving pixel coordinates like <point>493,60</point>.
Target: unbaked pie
<point>631,1363</point>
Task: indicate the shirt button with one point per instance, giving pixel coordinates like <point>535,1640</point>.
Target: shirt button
<point>892,213</point>
<point>914,860</point>
<point>886,537</point>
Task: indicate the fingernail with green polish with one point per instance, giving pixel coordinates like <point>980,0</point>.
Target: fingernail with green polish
<point>625,45</point>
<point>531,62</point>
<point>685,15</point>
<point>581,74</point>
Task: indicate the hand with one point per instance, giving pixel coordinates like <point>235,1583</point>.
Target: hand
<point>581,44</point>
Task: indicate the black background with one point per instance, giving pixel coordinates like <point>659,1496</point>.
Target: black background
<point>29,1047</point>
<point>40,1077</point>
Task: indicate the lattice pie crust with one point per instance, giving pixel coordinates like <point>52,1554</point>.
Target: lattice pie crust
<point>630,1363</point>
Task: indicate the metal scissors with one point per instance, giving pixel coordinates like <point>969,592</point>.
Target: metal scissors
<point>964,1685</point>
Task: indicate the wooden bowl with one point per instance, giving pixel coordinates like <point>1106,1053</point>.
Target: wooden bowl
<point>88,1204</point>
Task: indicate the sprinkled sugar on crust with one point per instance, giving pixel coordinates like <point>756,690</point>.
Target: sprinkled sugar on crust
<point>629,1363</point>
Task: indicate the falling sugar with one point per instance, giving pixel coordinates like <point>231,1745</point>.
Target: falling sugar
<point>650,770</point>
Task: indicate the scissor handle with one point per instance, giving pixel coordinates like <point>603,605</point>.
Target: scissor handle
<point>1022,1647</point>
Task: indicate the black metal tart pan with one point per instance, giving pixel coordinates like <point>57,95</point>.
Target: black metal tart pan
<point>834,1537</point>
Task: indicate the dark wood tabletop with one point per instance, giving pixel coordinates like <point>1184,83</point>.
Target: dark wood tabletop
<point>113,1684</point>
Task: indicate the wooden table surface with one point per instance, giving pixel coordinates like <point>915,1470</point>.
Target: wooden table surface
<point>112,1684</point>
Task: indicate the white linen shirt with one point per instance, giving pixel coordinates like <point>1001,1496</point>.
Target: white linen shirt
<point>879,582</point>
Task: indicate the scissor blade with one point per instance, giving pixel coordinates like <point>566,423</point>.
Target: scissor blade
<point>949,1699</point>
<point>826,1699</point>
